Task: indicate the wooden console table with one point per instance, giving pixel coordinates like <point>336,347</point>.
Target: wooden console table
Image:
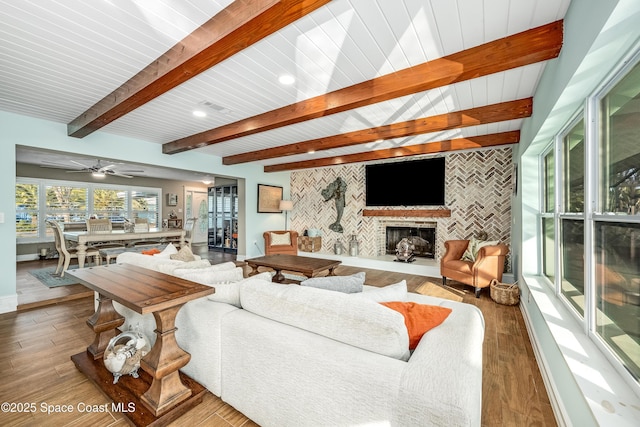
<point>143,291</point>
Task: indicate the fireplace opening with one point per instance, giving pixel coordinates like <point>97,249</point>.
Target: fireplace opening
<point>422,238</point>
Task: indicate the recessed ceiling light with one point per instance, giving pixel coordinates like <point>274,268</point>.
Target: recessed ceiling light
<point>286,79</point>
<point>199,113</point>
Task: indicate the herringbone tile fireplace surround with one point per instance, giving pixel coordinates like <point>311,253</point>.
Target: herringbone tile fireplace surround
<point>478,193</point>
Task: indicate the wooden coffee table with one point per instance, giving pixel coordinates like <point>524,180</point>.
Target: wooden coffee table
<point>161,396</point>
<point>309,267</point>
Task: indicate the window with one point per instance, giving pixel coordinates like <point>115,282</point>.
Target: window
<point>27,202</point>
<point>144,204</point>
<point>547,217</point>
<point>110,203</point>
<point>617,221</point>
<point>68,202</point>
<point>594,238</point>
<point>572,216</point>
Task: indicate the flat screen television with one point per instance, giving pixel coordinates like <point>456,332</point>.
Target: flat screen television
<point>411,183</point>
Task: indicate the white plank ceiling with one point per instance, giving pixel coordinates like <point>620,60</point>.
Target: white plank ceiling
<point>59,57</point>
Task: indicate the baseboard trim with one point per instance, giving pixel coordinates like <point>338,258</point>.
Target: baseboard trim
<point>547,378</point>
<point>9,303</point>
<point>27,257</point>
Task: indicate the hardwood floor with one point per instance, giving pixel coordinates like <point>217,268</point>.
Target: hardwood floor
<point>37,341</point>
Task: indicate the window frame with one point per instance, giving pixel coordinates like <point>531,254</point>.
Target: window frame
<point>41,235</point>
<point>593,211</point>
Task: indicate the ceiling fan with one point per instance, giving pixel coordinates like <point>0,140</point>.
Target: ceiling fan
<point>97,170</point>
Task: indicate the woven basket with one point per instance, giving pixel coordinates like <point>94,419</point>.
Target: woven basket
<point>504,293</point>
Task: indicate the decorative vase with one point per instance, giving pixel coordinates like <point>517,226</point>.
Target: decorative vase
<point>353,245</point>
<point>124,352</point>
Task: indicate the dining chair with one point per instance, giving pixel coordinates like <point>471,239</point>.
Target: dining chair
<point>66,253</point>
<point>102,226</point>
<point>188,228</point>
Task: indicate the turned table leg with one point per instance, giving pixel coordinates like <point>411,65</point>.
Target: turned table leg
<point>104,323</point>
<point>162,363</point>
<point>279,277</point>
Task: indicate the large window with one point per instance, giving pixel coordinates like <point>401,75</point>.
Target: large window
<point>617,221</point>
<point>572,216</point>
<point>594,211</point>
<point>69,202</point>
<point>547,217</point>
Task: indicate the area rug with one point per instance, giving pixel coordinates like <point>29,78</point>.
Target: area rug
<point>433,290</point>
<point>48,277</point>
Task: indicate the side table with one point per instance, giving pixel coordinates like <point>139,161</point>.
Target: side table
<point>170,393</point>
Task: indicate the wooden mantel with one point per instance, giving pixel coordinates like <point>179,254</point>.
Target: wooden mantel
<point>422,213</point>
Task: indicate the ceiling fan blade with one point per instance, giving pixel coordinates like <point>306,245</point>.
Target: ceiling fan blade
<point>133,171</point>
<point>79,164</point>
<point>79,171</point>
<point>53,166</point>
<point>120,174</point>
<point>103,168</point>
<point>54,163</point>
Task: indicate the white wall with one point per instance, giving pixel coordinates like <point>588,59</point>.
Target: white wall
<point>597,34</point>
<point>22,130</point>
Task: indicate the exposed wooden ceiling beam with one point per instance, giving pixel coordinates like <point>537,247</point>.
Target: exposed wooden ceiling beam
<point>531,46</point>
<point>239,25</point>
<point>492,140</point>
<point>503,111</point>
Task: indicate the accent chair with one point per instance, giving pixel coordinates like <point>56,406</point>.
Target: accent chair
<point>281,242</point>
<point>488,265</point>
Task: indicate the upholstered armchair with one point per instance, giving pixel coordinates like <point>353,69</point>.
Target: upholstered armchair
<point>488,265</point>
<point>281,242</point>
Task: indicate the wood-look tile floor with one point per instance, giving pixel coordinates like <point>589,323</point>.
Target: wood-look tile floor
<point>37,341</point>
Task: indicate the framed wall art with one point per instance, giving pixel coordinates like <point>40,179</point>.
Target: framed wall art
<point>269,197</point>
<point>172,199</point>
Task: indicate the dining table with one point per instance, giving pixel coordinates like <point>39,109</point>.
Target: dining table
<point>83,238</point>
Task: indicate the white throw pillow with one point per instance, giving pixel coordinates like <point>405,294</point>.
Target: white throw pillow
<point>280,239</point>
<point>395,292</point>
<point>347,284</point>
<point>229,293</point>
<point>229,265</point>
<point>167,252</point>
<point>169,266</point>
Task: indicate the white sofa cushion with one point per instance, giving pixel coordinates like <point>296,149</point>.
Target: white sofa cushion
<point>359,322</point>
<point>207,276</point>
<point>395,292</point>
<point>347,284</point>
<point>168,266</point>
<point>154,263</point>
<point>230,292</point>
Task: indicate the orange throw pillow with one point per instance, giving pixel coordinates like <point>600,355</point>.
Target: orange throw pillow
<point>419,318</point>
<point>151,251</point>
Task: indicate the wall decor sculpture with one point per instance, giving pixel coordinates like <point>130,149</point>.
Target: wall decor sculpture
<point>336,190</point>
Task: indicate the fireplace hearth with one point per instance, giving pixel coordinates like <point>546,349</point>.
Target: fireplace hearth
<point>422,238</point>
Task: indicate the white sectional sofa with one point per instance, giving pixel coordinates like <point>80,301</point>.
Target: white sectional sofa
<point>300,356</point>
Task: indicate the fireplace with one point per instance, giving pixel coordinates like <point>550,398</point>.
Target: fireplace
<point>423,238</point>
